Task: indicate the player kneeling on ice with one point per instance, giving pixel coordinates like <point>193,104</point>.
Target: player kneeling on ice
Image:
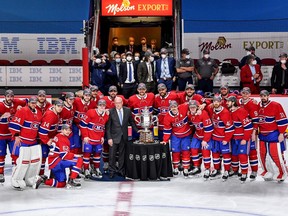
<point>176,126</point>
<point>61,158</point>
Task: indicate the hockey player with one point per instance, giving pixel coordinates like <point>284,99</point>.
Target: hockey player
<point>201,139</point>
<point>24,129</point>
<point>68,111</point>
<point>61,158</point>
<point>92,129</point>
<point>177,129</point>
<point>241,138</point>
<point>95,93</point>
<point>272,125</point>
<point>8,108</point>
<point>224,93</point>
<point>221,136</point>
<point>161,104</point>
<point>42,103</point>
<point>189,94</point>
<point>251,106</point>
<point>48,130</point>
<point>82,105</point>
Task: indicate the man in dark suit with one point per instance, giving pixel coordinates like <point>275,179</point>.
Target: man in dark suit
<point>165,69</point>
<point>128,76</point>
<point>117,134</point>
<point>279,79</point>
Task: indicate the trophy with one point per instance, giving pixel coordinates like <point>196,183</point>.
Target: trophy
<point>146,120</point>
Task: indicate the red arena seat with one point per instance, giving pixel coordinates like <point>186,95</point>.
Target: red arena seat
<point>21,63</point>
<point>58,62</point>
<point>233,61</point>
<point>75,62</point>
<point>39,62</point>
<point>5,63</point>
<point>268,61</point>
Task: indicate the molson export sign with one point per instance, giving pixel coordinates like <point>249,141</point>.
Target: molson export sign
<point>137,8</point>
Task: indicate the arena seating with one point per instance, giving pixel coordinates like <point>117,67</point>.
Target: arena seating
<point>58,62</point>
<point>5,63</point>
<point>21,62</point>
<point>268,61</point>
<point>39,62</point>
<point>75,62</point>
<point>233,61</point>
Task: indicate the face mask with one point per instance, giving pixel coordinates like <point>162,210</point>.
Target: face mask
<point>123,60</point>
<point>187,56</point>
<point>206,56</point>
<point>254,62</point>
<point>283,61</point>
<point>129,58</point>
<point>248,53</point>
<point>163,56</point>
<point>98,61</point>
<point>151,59</point>
<point>136,58</point>
<point>117,60</point>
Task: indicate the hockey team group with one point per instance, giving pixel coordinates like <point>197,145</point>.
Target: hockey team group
<point>225,132</point>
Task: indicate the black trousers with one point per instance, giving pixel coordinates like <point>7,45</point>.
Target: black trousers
<point>128,89</point>
<point>121,159</point>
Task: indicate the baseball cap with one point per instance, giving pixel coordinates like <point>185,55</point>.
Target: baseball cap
<point>264,92</point>
<point>41,92</point>
<point>224,86</point>
<point>141,86</point>
<point>217,98</point>
<point>112,88</point>
<point>58,102</point>
<point>206,51</point>
<point>193,103</point>
<point>185,51</point>
<point>161,86</point>
<point>246,90</point>
<point>9,92</point>
<point>283,55</point>
<point>173,103</point>
<point>189,86</point>
<point>250,48</point>
<point>70,95</point>
<point>129,53</point>
<point>86,92</point>
<point>65,126</point>
<point>93,88</point>
<point>33,99</point>
<point>163,51</point>
<point>101,102</point>
<point>232,98</point>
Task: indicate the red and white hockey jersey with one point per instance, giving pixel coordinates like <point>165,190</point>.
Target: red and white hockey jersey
<point>252,108</point>
<point>242,123</point>
<point>44,107</point>
<point>81,108</point>
<point>183,98</point>
<point>110,101</point>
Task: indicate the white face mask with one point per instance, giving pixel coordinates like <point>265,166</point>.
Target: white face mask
<point>283,61</point>
<point>136,58</point>
<point>129,58</point>
<point>98,61</point>
<point>187,56</point>
<point>163,56</point>
<point>118,60</point>
<point>206,56</point>
<point>123,60</point>
<point>254,62</point>
<point>151,58</point>
<point>248,53</point>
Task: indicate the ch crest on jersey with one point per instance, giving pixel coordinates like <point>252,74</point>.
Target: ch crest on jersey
<point>98,128</point>
<point>34,126</point>
<point>163,109</point>
<point>81,116</point>
<point>179,124</point>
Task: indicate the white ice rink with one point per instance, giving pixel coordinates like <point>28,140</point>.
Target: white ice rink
<point>178,197</point>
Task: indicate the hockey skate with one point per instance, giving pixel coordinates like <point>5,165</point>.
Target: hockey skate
<point>175,172</point>
<point>243,178</point>
<point>97,173</point>
<point>267,176</point>
<point>206,174</point>
<point>195,172</point>
<point>180,167</point>
<point>234,174</point>
<point>37,182</point>
<point>225,176</point>
<point>185,173</point>
<point>87,174</point>
<point>215,174</point>
<point>105,167</point>
<point>2,179</point>
<point>73,184</point>
<point>253,176</point>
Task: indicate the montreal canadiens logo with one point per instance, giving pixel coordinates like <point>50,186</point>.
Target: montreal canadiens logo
<point>98,127</point>
<point>80,116</point>
<point>34,126</point>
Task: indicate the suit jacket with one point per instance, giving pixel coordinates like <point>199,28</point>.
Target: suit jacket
<point>123,73</point>
<point>171,65</point>
<point>114,130</point>
<point>276,79</point>
<point>246,78</point>
<point>142,72</point>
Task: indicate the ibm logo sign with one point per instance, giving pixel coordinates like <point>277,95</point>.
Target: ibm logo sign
<point>45,45</point>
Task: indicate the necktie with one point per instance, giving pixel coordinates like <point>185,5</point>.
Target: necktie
<point>130,73</point>
<point>120,116</point>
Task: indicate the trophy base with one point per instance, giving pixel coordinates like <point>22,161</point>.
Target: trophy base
<point>146,137</point>
<point>146,143</point>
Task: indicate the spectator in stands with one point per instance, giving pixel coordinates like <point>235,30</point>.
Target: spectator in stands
<point>251,75</point>
<point>165,69</point>
<point>250,51</point>
<point>184,69</point>
<point>279,79</point>
<point>206,70</point>
<point>116,64</point>
<point>98,69</point>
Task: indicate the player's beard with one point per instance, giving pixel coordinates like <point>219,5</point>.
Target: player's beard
<point>9,101</point>
<point>264,101</point>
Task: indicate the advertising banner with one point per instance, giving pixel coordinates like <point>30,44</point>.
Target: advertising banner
<point>137,8</point>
